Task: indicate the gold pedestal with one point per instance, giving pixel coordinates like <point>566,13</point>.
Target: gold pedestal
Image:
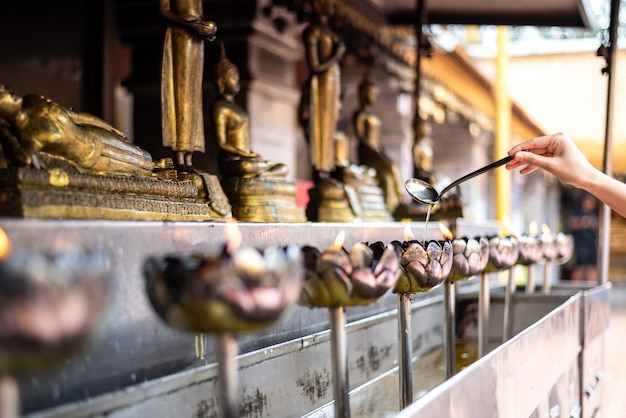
<point>62,194</point>
<point>371,199</point>
<point>263,200</point>
<point>329,201</point>
<point>355,199</point>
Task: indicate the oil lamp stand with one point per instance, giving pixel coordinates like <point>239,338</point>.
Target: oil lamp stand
<point>507,319</point>
<point>547,282</point>
<point>405,350</point>
<point>483,315</point>
<point>339,351</point>
<point>530,282</point>
<point>449,331</point>
<point>227,350</point>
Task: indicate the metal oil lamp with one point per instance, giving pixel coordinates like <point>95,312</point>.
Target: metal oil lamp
<point>424,266</point>
<point>238,290</point>
<point>564,247</point>
<point>469,258</point>
<point>337,278</point>
<point>51,305</point>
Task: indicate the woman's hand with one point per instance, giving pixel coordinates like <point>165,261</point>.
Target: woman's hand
<point>556,154</point>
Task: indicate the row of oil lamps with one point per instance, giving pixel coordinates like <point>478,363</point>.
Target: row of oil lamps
<point>51,302</point>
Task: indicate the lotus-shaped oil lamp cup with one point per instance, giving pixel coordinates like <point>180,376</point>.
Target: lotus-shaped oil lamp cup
<point>245,291</point>
<point>503,253</point>
<point>238,290</point>
<point>340,278</point>
<point>337,278</point>
<point>564,247</point>
<point>51,305</point>
<point>423,268</point>
<point>530,251</point>
<point>469,257</point>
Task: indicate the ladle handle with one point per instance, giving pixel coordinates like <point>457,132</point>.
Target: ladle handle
<point>478,172</point>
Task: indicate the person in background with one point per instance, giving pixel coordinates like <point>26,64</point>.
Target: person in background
<point>583,224</point>
<point>558,155</point>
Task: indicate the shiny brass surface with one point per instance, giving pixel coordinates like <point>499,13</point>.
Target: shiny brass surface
<point>182,73</point>
<point>61,164</point>
<point>331,201</point>
<point>367,127</point>
<point>343,192</point>
<point>257,188</point>
<point>423,152</point>
<point>321,95</point>
<point>33,124</point>
<point>365,196</point>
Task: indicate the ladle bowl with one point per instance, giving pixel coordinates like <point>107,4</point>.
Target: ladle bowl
<point>423,192</point>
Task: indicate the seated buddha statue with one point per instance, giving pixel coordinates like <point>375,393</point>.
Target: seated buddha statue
<point>33,124</point>
<point>367,127</point>
<point>423,153</point>
<point>235,158</point>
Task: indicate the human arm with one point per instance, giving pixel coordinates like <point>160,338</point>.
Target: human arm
<point>202,28</point>
<point>558,155</point>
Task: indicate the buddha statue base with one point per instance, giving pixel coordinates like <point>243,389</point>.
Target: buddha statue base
<point>258,199</point>
<point>331,201</point>
<point>371,206</point>
<point>62,192</point>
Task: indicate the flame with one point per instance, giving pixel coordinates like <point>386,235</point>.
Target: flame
<point>233,236</point>
<point>545,229</point>
<point>5,245</point>
<point>408,233</point>
<point>508,227</point>
<point>447,234</point>
<point>340,239</point>
<point>533,229</point>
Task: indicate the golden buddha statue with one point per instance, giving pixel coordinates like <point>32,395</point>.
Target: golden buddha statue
<point>368,127</point>
<point>181,81</point>
<point>423,153</point>
<point>33,124</point>
<point>236,159</point>
<point>256,188</point>
<point>58,163</point>
<point>323,50</point>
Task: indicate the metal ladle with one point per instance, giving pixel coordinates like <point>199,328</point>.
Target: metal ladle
<point>423,192</point>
